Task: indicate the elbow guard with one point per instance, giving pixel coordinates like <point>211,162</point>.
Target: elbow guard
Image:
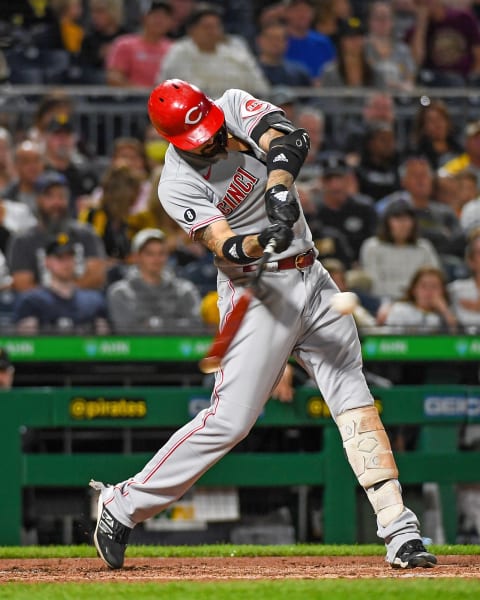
<point>288,152</point>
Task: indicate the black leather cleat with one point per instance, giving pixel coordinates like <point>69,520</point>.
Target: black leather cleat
<point>413,554</point>
<point>110,537</point>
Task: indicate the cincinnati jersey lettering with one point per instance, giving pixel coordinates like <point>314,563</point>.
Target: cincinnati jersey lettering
<point>241,185</point>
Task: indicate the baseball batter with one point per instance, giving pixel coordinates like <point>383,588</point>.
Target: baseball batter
<point>228,181</point>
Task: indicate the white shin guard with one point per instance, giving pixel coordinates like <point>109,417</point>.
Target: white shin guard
<point>369,453</point>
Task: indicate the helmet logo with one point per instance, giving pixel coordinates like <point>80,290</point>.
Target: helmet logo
<point>191,118</point>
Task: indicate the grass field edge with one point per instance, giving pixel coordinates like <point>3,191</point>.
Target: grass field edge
<point>224,550</point>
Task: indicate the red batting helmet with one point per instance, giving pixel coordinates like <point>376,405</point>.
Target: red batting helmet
<point>183,114</point>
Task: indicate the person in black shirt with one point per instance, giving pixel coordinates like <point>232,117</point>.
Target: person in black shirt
<point>337,208</point>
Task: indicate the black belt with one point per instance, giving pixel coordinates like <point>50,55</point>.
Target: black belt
<point>300,262</point>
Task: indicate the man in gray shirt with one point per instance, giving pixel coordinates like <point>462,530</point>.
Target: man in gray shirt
<point>151,296</point>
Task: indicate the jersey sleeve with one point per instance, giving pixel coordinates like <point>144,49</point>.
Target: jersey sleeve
<point>244,111</point>
<point>190,205</point>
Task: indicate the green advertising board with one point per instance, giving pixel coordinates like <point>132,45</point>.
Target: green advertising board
<point>192,348</point>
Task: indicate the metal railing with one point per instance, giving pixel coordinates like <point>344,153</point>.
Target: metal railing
<point>105,113</point>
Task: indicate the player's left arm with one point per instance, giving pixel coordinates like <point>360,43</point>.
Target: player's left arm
<point>286,147</point>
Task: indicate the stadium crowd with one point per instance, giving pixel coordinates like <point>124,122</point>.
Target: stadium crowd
<point>85,245</point>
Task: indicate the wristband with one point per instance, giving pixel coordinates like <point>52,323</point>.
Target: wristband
<point>232,250</point>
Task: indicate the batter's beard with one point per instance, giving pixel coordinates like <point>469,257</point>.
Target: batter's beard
<point>200,161</point>
<point>211,154</point>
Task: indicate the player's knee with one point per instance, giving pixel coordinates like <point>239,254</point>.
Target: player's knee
<point>234,430</point>
<point>367,446</point>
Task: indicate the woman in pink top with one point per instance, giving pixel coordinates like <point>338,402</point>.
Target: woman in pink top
<point>134,59</point>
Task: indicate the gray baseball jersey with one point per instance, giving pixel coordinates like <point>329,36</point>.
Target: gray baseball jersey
<point>231,189</point>
<point>291,314</point>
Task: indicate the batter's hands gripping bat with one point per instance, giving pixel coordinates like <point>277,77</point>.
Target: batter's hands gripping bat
<point>222,340</point>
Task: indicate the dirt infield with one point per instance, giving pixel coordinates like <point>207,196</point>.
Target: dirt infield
<point>214,569</point>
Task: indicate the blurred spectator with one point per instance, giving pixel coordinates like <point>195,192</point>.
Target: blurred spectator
<point>350,67</point>
<point>470,192</point>
<point>60,306</point>
<point>394,254</point>
<point>378,107</point>
<point>269,12</point>
<point>239,18</point>
<point>5,277</point>
<point>328,16</point>
<point>7,172</point>
<point>465,293</point>
<point>181,248</point>
<point>120,188</point>
<point>285,98</point>
<point>470,158</point>
<point>312,119</point>
<point>305,45</point>
<point>4,68</point>
<point>26,250</point>
<point>329,241</point>
<point>7,370</point>
<point>433,134</point>
<point>62,157</point>
<point>106,24</point>
<point>445,44</point>
<point>14,216</point>
<point>338,209</point>
<point>52,104</point>
<point>151,297</point>
<point>212,60</point>
<point>390,59</point>
<point>425,307</point>
<point>181,10</point>
<point>155,146</point>
<point>377,173</point>
<point>25,14</point>
<point>363,317</point>
<point>133,60</point>
<point>272,43</point>
<point>130,152</point>
<point>69,17</point>
<point>29,165</point>
<point>437,222</point>
<point>446,190</point>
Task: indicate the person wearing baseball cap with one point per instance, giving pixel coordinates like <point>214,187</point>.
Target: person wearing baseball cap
<point>27,247</point>
<point>151,296</point>
<point>60,122</point>
<point>59,305</point>
<point>144,236</point>
<point>60,245</point>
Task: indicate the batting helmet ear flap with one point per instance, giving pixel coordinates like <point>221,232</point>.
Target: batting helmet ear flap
<point>183,114</point>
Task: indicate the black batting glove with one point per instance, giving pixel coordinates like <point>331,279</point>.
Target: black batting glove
<point>280,233</point>
<point>281,206</point>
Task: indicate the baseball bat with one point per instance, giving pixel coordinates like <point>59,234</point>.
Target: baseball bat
<point>224,337</point>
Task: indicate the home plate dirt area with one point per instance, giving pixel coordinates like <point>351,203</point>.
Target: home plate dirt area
<point>230,568</point>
